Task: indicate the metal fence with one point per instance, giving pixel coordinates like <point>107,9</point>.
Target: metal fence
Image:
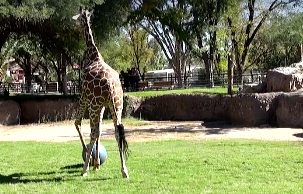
<point>203,81</point>
<point>73,87</point>
<point>36,88</point>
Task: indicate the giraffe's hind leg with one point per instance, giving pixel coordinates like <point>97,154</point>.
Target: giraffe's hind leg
<point>123,149</point>
<point>120,138</point>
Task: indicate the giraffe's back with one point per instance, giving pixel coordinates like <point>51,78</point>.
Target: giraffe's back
<point>101,84</point>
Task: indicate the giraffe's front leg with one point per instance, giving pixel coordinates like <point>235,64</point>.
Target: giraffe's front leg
<point>97,157</point>
<point>88,158</point>
<point>78,127</point>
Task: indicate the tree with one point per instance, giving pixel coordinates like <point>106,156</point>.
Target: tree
<point>165,22</point>
<point>9,48</point>
<point>116,51</point>
<point>158,60</point>
<point>279,43</point>
<point>254,14</point>
<point>109,17</point>
<point>204,27</point>
<point>49,21</point>
<point>141,51</point>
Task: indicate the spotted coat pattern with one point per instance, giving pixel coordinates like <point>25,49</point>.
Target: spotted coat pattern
<point>101,87</point>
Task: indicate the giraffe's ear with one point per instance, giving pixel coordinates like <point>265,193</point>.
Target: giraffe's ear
<point>90,13</point>
<point>76,17</point>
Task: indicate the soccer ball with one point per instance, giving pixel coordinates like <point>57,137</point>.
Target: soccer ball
<point>102,154</point>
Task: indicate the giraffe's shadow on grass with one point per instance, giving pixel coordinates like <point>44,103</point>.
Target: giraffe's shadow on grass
<point>27,178</point>
<point>65,174</point>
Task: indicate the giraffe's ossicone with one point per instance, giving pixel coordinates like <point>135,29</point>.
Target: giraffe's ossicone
<point>101,88</point>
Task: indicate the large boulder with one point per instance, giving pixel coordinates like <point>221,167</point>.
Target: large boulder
<point>130,107</point>
<point>254,88</point>
<point>185,107</point>
<point>290,110</point>
<point>10,112</point>
<point>285,79</point>
<point>253,109</point>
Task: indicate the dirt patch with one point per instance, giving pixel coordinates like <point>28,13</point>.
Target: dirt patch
<point>65,131</point>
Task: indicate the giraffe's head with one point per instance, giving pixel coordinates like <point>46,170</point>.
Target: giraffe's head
<point>83,16</point>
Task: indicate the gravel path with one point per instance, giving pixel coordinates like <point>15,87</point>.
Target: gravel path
<point>65,131</point>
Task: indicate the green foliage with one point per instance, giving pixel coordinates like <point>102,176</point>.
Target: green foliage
<point>140,50</point>
<point>109,17</point>
<point>176,166</point>
<point>117,52</point>
<point>287,30</point>
<point>276,45</point>
<point>158,60</point>
<point>247,23</point>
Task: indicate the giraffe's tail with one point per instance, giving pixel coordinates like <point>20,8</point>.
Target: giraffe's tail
<point>123,145</point>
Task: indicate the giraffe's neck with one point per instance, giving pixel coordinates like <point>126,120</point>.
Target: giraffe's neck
<point>93,52</point>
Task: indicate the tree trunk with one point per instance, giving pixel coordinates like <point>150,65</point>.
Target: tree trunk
<point>205,60</point>
<point>28,75</point>
<point>3,39</point>
<point>28,80</point>
<point>287,56</point>
<point>231,60</point>
<point>64,81</point>
<point>63,74</point>
<point>240,75</point>
<point>299,57</point>
<point>208,69</point>
<point>211,75</point>
<point>59,80</point>
<point>212,51</point>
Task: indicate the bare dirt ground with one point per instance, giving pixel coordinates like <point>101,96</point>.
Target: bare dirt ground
<point>65,131</point>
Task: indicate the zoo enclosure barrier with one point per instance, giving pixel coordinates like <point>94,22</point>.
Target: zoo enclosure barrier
<point>160,82</point>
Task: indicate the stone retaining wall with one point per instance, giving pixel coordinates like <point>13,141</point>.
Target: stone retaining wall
<point>253,109</point>
<point>48,110</point>
<point>9,112</point>
<point>281,109</point>
<point>289,110</point>
<point>185,107</point>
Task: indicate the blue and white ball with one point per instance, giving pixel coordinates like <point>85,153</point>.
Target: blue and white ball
<point>102,153</point>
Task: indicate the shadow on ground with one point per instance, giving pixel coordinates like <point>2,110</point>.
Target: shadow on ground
<point>24,178</point>
<point>299,135</point>
<point>66,173</point>
<point>207,128</point>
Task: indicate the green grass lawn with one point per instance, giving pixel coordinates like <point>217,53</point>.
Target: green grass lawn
<point>213,166</point>
<point>149,93</point>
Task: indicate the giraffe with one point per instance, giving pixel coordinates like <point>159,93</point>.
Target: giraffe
<point>101,87</point>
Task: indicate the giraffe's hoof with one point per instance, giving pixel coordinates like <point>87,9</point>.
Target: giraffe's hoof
<point>97,168</point>
<point>125,174</point>
<point>84,174</point>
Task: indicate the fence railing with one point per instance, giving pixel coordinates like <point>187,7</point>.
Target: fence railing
<point>73,87</point>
